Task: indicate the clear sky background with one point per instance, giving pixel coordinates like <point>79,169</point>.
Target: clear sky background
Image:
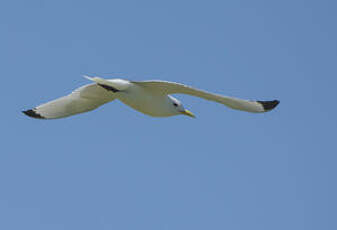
<point>115,168</point>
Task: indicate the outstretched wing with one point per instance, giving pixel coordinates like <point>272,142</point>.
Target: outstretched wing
<point>166,87</point>
<point>83,99</point>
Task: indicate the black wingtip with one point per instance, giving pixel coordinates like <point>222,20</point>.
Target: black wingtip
<point>33,114</point>
<point>269,105</point>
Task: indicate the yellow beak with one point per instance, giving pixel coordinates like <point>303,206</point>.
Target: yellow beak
<point>188,113</point>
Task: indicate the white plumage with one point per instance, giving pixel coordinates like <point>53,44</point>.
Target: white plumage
<point>149,97</point>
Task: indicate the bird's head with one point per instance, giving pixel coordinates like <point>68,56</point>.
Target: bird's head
<point>177,107</point>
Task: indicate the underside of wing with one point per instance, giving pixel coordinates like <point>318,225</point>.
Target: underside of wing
<point>166,87</point>
<point>83,99</point>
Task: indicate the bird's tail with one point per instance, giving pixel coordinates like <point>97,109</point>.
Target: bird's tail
<point>114,85</point>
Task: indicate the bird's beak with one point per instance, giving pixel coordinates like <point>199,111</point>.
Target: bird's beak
<point>188,113</point>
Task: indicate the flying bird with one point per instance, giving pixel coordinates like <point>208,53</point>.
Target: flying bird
<point>151,97</point>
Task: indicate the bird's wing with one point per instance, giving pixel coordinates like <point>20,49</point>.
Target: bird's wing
<point>166,87</point>
<point>83,99</point>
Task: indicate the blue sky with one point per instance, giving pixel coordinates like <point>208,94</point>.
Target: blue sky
<point>115,168</point>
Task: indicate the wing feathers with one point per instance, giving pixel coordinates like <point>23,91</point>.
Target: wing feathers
<point>83,99</point>
<point>234,103</point>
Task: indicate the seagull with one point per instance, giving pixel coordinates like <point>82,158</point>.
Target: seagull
<point>152,97</point>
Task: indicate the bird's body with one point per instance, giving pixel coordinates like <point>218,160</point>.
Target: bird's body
<point>146,102</point>
<point>149,97</point>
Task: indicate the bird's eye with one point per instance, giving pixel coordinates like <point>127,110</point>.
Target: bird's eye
<point>175,104</point>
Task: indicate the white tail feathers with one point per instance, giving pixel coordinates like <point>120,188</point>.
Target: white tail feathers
<point>118,84</point>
